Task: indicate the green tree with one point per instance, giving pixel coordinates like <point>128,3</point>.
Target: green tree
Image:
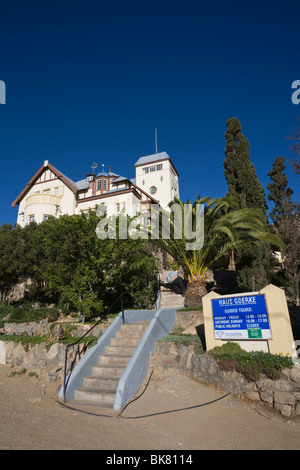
<point>11,252</point>
<point>252,262</point>
<point>286,219</point>
<point>240,173</point>
<point>224,229</point>
<point>279,192</point>
<point>69,261</point>
<point>289,230</point>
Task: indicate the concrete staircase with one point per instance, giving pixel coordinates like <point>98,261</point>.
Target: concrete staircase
<point>169,297</point>
<point>99,388</point>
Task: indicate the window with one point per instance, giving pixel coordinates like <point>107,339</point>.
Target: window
<point>46,216</point>
<point>118,206</point>
<point>31,218</point>
<point>123,206</point>
<point>145,219</point>
<point>55,191</point>
<point>153,168</point>
<point>98,184</point>
<point>153,190</point>
<point>105,184</point>
<point>46,191</point>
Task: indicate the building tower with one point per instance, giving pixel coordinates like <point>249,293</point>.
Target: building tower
<point>157,176</point>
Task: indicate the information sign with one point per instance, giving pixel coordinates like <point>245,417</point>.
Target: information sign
<point>241,317</point>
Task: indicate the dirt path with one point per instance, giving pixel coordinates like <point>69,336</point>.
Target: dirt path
<point>32,418</point>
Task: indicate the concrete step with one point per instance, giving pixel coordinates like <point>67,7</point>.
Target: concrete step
<point>107,371</point>
<point>101,382</point>
<point>134,328</point>
<point>120,350</point>
<point>130,333</point>
<point>111,360</point>
<point>96,397</point>
<point>126,341</point>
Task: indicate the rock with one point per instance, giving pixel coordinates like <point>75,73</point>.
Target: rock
<point>27,329</point>
<point>297,409</point>
<point>265,384</point>
<point>16,354</point>
<point>2,352</point>
<point>284,398</point>
<point>283,385</point>
<point>285,410</point>
<point>252,395</point>
<point>173,349</point>
<point>188,361</point>
<point>266,397</point>
<point>295,373</point>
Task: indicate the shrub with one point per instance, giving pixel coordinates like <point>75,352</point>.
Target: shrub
<point>230,356</point>
<point>184,340</point>
<point>26,313</point>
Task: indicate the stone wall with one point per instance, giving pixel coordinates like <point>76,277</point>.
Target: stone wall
<point>43,327</point>
<point>39,359</point>
<point>282,395</point>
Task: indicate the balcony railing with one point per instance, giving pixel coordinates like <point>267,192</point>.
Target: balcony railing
<point>43,199</point>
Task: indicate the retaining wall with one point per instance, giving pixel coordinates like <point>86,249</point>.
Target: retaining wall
<point>283,395</point>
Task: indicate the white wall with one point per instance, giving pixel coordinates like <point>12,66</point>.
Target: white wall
<point>165,181</point>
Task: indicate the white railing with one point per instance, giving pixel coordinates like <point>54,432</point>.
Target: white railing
<point>43,199</point>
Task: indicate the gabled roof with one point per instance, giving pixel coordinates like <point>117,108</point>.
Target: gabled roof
<point>154,158</point>
<point>67,181</point>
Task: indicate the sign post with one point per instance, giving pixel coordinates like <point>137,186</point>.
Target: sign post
<point>241,317</point>
<point>258,321</point>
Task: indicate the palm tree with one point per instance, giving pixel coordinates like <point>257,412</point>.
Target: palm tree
<point>220,230</point>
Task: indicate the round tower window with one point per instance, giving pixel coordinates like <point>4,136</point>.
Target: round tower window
<point>153,190</point>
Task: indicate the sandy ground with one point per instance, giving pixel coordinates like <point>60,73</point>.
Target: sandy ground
<point>171,411</point>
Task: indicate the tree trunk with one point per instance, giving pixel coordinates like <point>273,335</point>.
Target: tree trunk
<point>196,289</point>
<point>231,266</point>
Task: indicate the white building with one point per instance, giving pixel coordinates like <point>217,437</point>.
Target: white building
<point>51,193</point>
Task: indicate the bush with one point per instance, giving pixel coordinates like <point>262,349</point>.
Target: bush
<point>184,340</point>
<point>26,313</point>
<point>230,356</point>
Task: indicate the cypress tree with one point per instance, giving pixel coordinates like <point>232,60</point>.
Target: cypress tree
<point>239,171</point>
<point>286,218</point>
<point>251,262</point>
<point>279,193</point>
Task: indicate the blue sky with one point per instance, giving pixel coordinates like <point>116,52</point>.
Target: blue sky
<point>90,80</point>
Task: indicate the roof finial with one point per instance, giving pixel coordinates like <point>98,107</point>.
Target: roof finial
<point>94,165</point>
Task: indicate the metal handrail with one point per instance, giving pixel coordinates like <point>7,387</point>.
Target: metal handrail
<point>86,333</point>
